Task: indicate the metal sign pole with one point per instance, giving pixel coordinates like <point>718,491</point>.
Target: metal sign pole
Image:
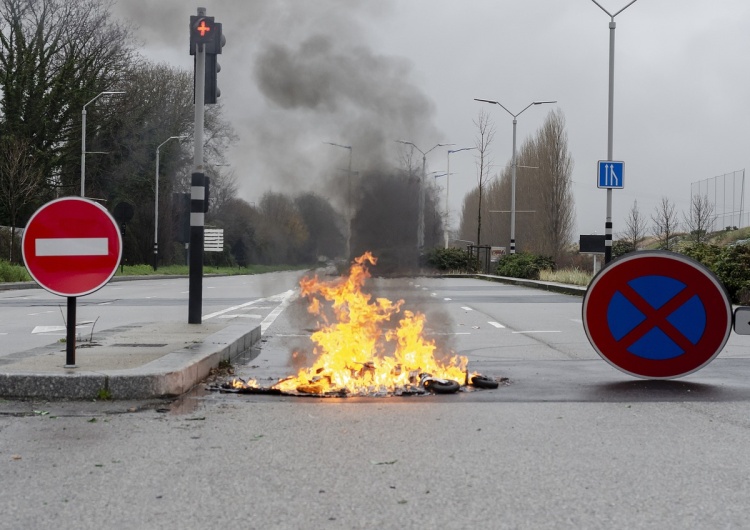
<point>197,191</point>
<point>70,340</point>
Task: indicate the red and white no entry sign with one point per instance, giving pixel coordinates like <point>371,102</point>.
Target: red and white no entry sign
<point>72,246</point>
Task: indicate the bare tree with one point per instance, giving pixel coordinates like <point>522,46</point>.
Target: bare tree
<point>665,223</point>
<point>700,218</point>
<point>556,208</point>
<point>20,180</point>
<point>635,227</point>
<point>485,135</point>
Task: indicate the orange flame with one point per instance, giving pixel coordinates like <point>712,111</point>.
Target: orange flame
<point>355,353</point>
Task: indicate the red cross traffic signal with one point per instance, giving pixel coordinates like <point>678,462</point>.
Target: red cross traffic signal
<point>202,31</point>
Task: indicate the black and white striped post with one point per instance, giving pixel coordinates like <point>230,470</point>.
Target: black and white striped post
<point>197,233</point>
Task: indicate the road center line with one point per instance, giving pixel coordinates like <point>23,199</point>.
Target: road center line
<point>496,324</point>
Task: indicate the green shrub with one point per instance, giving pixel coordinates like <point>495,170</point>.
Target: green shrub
<point>524,265</point>
<point>451,259</point>
<point>730,264</point>
<point>10,272</point>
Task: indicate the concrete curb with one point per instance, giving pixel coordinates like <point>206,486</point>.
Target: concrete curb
<point>171,375</point>
<point>563,288</point>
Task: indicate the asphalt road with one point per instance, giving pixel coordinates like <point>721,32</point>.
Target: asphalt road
<point>569,443</point>
<point>31,318</point>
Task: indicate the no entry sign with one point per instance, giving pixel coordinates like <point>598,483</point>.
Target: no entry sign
<point>657,315</point>
<point>71,246</point>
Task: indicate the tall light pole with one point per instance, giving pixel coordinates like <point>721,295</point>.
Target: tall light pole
<point>420,223</point>
<point>348,199</point>
<point>513,167</point>
<point>156,200</point>
<point>610,116</point>
<point>83,137</point>
<point>447,189</point>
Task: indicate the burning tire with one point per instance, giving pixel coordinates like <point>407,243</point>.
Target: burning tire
<point>441,386</point>
<point>481,381</point>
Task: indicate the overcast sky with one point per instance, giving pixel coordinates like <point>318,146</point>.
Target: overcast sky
<point>297,73</point>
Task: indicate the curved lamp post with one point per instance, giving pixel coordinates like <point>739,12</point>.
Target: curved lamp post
<point>156,201</point>
<point>447,189</point>
<point>348,198</point>
<point>420,224</point>
<point>610,116</point>
<point>83,137</point>
<point>513,167</point>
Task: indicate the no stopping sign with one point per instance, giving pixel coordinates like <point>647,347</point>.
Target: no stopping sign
<point>657,315</point>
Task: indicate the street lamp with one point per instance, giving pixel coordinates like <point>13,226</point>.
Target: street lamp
<point>348,198</point>
<point>447,189</point>
<point>83,137</point>
<point>610,116</point>
<point>420,224</point>
<point>156,200</point>
<point>513,168</point>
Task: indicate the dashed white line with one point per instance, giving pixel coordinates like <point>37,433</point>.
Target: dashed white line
<point>40,313</point>
<point>447,299</point>
<point>496,324</point>
<point>466,308</point>
<point>538,331</point>
<point>576,320</point>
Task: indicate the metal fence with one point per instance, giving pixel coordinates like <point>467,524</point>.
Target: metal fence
<point>727,195</point>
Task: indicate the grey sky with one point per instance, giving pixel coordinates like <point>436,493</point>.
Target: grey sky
<point>296,73</point>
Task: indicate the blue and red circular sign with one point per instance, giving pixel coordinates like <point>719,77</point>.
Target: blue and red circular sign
<point>657,315</point>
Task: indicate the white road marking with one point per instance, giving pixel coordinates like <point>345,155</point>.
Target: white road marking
<point>466,308</point>
<point>54,329</point>
<point>577,320</point>
<point>447,299</point>
<point>496,324</point>
<point>286,299</point>
<point>104,303</point>
<point>233,308</point>
<point>240,316</point>
<point>538,331</point>
<point>40,313</point>
<point>72,246</point>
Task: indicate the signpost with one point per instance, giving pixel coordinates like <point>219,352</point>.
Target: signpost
<point>610,174</point>
<point>657,315</point>
<point>71,247</point>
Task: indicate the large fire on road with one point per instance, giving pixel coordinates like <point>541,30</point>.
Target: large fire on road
<point>361,351</point>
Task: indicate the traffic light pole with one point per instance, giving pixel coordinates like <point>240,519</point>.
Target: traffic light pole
<point>197,192</point>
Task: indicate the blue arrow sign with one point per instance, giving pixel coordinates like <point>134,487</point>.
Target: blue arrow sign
<point>610,174</point>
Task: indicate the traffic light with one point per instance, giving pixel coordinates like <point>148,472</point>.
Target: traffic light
<point>211,88</point>
<point>202,32</point>
<point>213,67</point>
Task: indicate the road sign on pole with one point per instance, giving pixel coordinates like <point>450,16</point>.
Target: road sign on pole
<point>71,246</point>
<point>610,174</point>
<point>657,315</point>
